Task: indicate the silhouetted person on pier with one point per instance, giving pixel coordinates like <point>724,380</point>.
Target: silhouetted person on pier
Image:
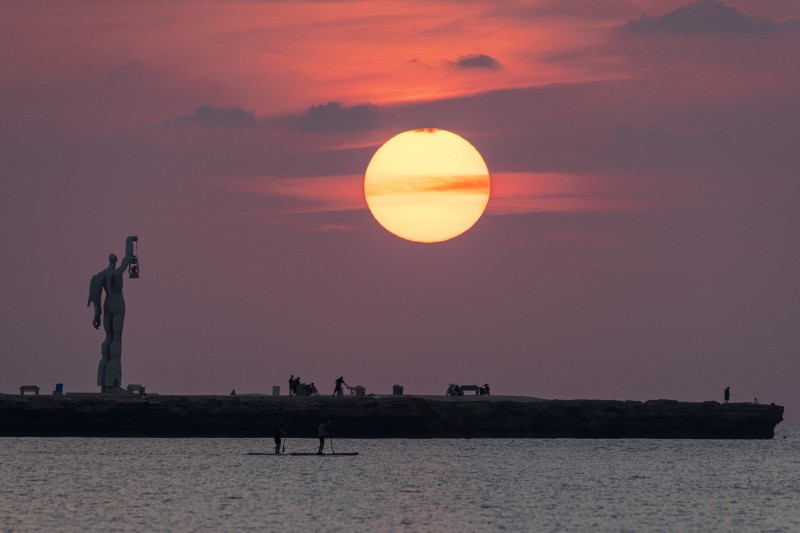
<point>756,402</point>
<point>291,385</point>
<point>312,390</point>
<point>233,392</point>
<point>338,388</point>
<point>727,394</point>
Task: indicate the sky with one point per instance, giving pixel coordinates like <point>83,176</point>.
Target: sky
<point>641,241</point>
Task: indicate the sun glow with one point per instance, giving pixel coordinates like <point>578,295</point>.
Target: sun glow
<point>427,185</point>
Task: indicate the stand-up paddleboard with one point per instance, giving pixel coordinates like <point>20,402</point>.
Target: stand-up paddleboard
<point>337,454</point>
<point>326,454</point>
<point>268,453</point>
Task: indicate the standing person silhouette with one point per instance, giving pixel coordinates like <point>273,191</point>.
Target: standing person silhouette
<point>280,432</point>
<point>291,385</point>
<point>322,432</point>
<point>338,388</point>
<point>727,394</point>
<point>109,371</point>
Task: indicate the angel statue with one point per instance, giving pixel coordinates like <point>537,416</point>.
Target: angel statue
<point>109,372</point>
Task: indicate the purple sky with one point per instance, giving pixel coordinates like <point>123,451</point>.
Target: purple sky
<point>642,240</point>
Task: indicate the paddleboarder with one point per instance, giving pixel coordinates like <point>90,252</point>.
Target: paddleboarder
<point>280,431</point>
<point>322,432</point>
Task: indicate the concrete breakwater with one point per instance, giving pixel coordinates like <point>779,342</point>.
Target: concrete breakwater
<point>111,415</point>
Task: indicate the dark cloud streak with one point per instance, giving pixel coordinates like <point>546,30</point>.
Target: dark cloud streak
<point>211,116</point>
<point>335,117</point>
<point>707,17</point>
<point>476,61</point>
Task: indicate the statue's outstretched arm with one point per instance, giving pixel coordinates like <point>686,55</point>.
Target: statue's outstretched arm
<point>95,293</point>
<point>128,253</point>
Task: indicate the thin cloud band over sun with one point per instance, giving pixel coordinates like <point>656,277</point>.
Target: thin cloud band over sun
<point>511,194</point>
<point>453,184</point>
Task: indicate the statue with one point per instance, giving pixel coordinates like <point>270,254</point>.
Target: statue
<point>109,372</point>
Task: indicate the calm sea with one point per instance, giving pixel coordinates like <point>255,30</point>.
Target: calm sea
<point>73,484</point>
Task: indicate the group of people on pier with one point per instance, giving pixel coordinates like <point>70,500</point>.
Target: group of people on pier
<point>302,389</point>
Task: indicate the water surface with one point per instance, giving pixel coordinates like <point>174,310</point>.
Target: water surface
<point>402,485</point>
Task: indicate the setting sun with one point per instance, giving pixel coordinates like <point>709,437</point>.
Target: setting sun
<point>427,185</point>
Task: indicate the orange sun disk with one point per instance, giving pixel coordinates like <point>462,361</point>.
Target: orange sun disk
<point>427,185</point>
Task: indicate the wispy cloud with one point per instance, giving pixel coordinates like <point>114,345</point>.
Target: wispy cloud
<point>512,193</point>
<point>335,117</point>
<point>516,193</point>
<point>475,62</point>
<point>211,116</point>
<point>318,194</point>
<point>451,184</point>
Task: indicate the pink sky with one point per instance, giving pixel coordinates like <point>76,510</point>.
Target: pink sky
<point>642,240</point>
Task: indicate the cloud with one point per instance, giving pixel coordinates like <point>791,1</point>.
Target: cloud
<point>451,184</point>
<point>476,61</point>
<point>211,116</point>
<point>335,117</point>
<point>707,17</point>
<point>515,193</point>
<point>578,9</point>
<point>717,137</point>
<point>312,194</point>
<point>627,131</point>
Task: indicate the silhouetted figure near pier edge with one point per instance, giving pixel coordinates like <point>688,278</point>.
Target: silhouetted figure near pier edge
<point>291,385</point>
<point>338,389</point>
<point>109,371</point>
<point>727,394</point>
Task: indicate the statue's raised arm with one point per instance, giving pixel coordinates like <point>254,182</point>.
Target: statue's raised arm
<point>128,254</point>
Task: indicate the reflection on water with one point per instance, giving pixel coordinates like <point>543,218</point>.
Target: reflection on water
<point>401,485</point>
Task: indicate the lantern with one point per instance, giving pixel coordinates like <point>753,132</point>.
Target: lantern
<point>133,264</point>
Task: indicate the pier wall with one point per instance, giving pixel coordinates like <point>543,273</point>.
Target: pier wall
<point>381,417</point>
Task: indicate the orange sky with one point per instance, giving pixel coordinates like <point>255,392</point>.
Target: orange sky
<point>640,240</point>
<point>283,56</point>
